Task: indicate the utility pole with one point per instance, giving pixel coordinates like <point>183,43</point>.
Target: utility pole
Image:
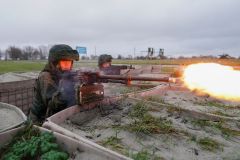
<point>95,50</point>
<point>134,52</point>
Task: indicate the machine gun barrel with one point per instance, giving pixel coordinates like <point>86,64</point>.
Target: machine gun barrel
<point>90,86</point>
<point>130,78</point>
<point>97,77</point>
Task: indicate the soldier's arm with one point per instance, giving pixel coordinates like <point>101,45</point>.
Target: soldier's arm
<point>51,95</point>
<point>46,100</point>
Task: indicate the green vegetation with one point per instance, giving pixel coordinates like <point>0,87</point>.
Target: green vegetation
<point>213,104</point>
<point>158,99</point>
<point>146,123</point>
<point>168,69</point>
<point>31,144</point>
<point>54,155</point>
<point>113,142</point>
<point>185,61</point>
<point>201,123</point>
<point>171,109</point>
<point>226,132</point>
<point>85,63</point>
<point>220,113</point>
<point>139,110</point>
<point>161,103</point>
<point>37,65</point>
<point>193,138</point>
<point>21,66</point>
<point>209,144</point>
<point>125,90</point>
<point>149,124</point>
<point>145,155</point>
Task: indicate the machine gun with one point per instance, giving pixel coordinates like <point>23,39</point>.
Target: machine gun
<point>90,87</point>
<point>115,69</point>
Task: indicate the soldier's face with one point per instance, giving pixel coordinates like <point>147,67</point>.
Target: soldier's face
<point>65,65</point>
<point>107,64</point>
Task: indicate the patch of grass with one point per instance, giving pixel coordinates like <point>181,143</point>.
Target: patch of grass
<point>226,132</point>
<point>193,138</point>
<point>151,125</point>
<point>155,99</point>
<point>21,66</point>
<point>85,63</point>
<point>220,113</point>
<point>172,109</point>
<point>126,90</point>
<point>201,123</point>
<point>183,61</point>
<point>213,104</point>
<point>139,110</point>
<point>114,142</point>
<point>167,69</point>
<point>154,109</point>
<point>145,155</point>
<point>37,65</point>
<point>209,144</point>
<point>146,123</point>
<point>160,103</point>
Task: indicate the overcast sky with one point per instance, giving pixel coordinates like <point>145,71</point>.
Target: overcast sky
<point>181,27</point>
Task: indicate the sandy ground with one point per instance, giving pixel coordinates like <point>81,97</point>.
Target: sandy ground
<point>180,145</point>
<point>85,156</point>
<point>114,89</point>
<point>183,98</point>
<point>8,118</point>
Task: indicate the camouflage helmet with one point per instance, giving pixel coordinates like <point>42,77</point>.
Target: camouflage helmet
<point>62,51</point>
<point>103,59</point>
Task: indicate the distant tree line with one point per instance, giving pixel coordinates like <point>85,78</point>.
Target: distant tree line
<point>41,53</point>
<point>140,57</point>
<point>221,56</point>
<point>25,53</point>
<point>129,57</point>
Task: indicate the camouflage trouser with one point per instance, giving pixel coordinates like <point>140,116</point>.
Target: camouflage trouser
<point>37,120</point>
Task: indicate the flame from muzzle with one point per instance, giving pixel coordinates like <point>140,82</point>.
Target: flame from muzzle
<point>214,79</point>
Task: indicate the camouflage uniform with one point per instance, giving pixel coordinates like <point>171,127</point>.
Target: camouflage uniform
<point>112,69</point>
<point>48,92</point>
